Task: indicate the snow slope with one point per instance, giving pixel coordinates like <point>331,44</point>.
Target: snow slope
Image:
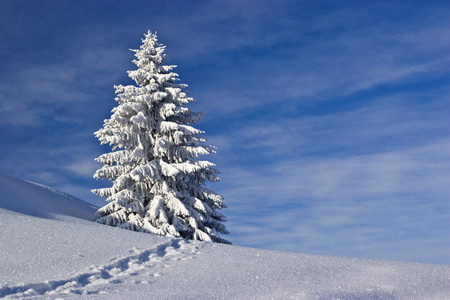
<point>49,248</point>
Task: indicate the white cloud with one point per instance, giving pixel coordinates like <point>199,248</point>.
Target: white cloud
<point>83,167</point>
<point>337,54</point>
<point>417,170</point>
<point>397,121</point>
<point>35,93</point>
<point>348,206</point>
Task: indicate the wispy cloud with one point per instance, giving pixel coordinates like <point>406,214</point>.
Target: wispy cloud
<point>396,121</point>
<point>330,205</point>
<point>78,78</point>
<point>361,176</point>
<point>339,53</point>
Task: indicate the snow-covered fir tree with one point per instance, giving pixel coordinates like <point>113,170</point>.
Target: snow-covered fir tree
<point>158,179</point>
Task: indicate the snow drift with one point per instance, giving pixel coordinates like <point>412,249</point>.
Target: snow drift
<point>49,248</point>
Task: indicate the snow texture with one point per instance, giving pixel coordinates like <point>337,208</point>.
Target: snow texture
<point>49,251</point>
<point>158,183</point>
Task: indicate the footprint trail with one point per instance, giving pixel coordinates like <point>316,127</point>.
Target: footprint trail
<point>143,265</point>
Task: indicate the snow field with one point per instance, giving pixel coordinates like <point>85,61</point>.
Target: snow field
<point>63,255</point>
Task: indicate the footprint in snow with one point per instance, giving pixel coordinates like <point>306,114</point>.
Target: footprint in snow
<point>116,271</point>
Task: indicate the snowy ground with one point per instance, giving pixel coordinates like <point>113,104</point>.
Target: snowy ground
<point>50,249</point>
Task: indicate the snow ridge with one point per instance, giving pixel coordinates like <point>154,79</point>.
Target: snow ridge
<point>70,197</point>
<point>139,267</point>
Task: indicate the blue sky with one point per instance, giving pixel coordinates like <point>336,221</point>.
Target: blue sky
<point>330,117</point>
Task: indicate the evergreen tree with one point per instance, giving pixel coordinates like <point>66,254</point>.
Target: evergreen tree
<point>158,180</point>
